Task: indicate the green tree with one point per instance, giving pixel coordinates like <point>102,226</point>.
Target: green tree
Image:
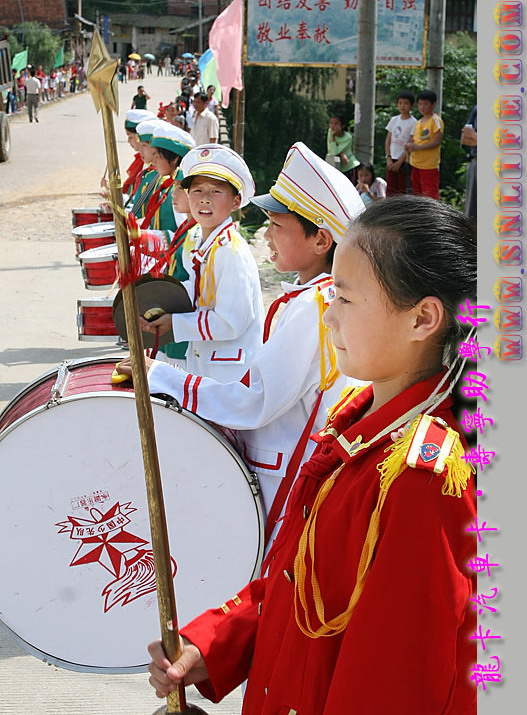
<point>459,96</point>
<point>14,44</point>
<point>144,7</point>
<point>42,44</point>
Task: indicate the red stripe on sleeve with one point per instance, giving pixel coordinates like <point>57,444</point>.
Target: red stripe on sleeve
<point>195,394</point>
<point>207,328</point>
<point>185,391</point>
<point>200,317</point>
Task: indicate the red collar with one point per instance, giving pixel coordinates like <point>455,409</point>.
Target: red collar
<point>348,423</point>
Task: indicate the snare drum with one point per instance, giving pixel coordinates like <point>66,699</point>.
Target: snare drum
<point>95,319</point>
<point>83,217</point>
<point>93,235</point>
<point>99,267</point>
<point>75,543</point>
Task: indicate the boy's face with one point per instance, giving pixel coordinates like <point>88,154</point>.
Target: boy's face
<point>426,107</point>
<point>146,152</point>
<point>404,106</point>
<point>211,201</point>
<point>180,199</point>
<point>133,140</point>
<point>289,246</point>
<point>161,165</point>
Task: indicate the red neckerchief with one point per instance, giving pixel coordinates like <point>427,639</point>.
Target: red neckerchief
<point>134,174</point>
<point>155,202</point>
<point>285,298</point>
<point>177,241</point>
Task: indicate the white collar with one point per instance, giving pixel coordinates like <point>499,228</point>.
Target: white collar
<point>296,286</point>
<point>205,247</point>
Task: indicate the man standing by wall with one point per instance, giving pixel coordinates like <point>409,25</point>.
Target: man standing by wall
<point>206,127</point>
<point>32,94</point>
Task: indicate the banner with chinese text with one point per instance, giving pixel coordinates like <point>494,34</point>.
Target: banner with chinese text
<point>324,32</point>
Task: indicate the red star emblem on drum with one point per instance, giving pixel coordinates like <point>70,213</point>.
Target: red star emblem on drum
<point>103,538</point>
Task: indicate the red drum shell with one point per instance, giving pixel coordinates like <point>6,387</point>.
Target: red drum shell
<point>95,319</point>
<point>83,217</point>
<point>92,377</point>
<point>105,216</point>
<point>99,267</point>
<point>93,235</point>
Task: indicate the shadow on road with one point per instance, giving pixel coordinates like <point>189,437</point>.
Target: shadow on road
<point>55,266</point>
<point>45,356</point>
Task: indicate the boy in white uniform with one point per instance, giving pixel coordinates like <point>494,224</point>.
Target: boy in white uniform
<point>225,330</point>
<point>291,382</point>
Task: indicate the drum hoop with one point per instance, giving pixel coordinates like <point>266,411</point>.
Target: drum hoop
<point>68,665</point>
<point>74,362</point>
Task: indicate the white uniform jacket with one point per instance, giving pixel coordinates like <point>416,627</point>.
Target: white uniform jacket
<point>273,410</point>
<point>225,330</point>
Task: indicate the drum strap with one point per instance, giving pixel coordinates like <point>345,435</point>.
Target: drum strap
<point>291,472</point>
<point>145,195</point>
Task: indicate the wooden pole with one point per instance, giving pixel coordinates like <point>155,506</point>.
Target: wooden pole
<point>102,81</point>
<point>365,94</point>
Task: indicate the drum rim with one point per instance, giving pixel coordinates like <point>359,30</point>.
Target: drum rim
<point>99,258</point>
<point>67,664</point>
<point>95,302</point>
<point>72,363</point>
<point>101,231</point>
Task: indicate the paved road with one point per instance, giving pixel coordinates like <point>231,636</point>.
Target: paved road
<point>56,165</point>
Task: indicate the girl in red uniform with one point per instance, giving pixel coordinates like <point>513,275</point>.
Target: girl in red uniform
<point>364,606</point>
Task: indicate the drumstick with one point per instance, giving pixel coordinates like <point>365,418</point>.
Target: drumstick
<point>102,81</point>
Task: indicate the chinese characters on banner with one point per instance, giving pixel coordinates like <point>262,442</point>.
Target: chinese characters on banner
<point>325,32</point>
<point>506,345</point>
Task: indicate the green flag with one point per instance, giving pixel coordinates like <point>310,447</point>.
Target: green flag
<point>209,76</point>
<point>19,61</point>
<point>59,59</point>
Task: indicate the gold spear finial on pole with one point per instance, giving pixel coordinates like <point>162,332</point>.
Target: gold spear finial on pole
<point>102,82</point>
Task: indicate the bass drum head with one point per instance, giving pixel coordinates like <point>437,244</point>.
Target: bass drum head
<point>78,586</point>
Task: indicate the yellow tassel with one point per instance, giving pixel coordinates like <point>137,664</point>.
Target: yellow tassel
<point>395,463</point>
<point>329,371</point>
<point>457,470</point>
<point>207,284</point>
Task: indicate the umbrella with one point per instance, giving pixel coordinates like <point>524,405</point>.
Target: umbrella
<point>148,56</point>
<point>188,56</point>
<point>134,56</point>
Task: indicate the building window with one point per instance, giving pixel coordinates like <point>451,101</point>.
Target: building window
<point>460,15</point>
<point>148,30</point>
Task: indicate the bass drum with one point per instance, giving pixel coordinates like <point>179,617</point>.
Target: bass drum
<point>78,586</point>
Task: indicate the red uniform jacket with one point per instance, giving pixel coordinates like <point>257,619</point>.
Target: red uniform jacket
<point>406,649</point>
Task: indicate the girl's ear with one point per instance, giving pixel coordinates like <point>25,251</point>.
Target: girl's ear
<point>429,317</point>
<point>323,241</point>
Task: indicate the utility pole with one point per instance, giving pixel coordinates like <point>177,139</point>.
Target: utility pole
<point>365,94</point>
<point>200,20</point>
<point>436,49</point>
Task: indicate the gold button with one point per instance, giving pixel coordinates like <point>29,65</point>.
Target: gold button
<point>288,576</point>
<point>305,511</point>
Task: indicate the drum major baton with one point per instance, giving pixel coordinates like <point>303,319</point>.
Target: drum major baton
<point>102,81</point>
